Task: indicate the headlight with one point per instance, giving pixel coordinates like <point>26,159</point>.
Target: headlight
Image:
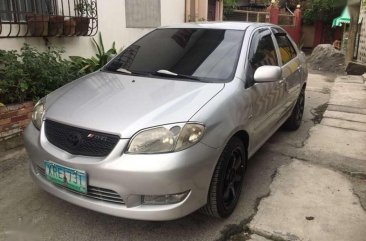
<point>37,114</point>
<point>167,138</point>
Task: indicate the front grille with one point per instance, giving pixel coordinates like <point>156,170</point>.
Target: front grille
<point>79,141</point>
<point>98,193</point>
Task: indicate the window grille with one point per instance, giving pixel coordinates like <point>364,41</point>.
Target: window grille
<point>46,18</point>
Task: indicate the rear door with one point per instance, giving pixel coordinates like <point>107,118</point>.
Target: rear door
<point>291,67</point>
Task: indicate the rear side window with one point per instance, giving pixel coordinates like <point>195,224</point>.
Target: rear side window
<point>286,48</point>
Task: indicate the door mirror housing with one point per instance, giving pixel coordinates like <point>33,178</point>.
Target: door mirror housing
<point>267,73</point>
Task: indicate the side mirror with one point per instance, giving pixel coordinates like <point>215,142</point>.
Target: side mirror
<point>267,73</point>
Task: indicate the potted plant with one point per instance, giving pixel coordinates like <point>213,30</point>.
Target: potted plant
<point>37,24</point>
<point>56,23</point>
<point>69,26</point>
<point>40,24</point>
<point>85,10</point>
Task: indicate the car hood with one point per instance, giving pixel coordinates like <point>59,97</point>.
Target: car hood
<point>122,104</point>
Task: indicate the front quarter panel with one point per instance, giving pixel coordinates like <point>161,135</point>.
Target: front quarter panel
<point>227,113</point>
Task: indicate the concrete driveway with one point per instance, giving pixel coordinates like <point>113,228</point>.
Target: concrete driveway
<point>28,213</point>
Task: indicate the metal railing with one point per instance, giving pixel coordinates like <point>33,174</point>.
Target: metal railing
<point>286,20</point>
<point>248,16</point>
<point>46,18</point>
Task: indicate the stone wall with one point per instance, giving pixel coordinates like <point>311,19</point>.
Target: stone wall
<point>13,120</point>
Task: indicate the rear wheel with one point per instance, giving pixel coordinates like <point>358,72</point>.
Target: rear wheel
<point>294,121</point>
<point>227,180</point>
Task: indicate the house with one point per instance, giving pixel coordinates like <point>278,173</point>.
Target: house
<point>71,23</point>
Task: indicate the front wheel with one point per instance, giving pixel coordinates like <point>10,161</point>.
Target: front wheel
<point>226,183</point>
<point>294,121</point>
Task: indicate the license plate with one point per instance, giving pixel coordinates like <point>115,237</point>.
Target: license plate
<point>66,176</point>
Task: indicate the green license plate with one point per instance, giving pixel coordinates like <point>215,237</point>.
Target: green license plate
<point>66,176</point>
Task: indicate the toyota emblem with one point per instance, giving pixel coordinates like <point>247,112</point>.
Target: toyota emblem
<point>74,139</point>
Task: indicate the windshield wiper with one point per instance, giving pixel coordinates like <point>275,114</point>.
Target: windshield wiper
<point>122,70</point>
<point>126,71</point>
<point>164,72</point>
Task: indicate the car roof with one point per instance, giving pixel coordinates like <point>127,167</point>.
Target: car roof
<point>218,25</point>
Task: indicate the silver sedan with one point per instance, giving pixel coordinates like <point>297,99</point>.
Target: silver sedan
<point>167,126</point>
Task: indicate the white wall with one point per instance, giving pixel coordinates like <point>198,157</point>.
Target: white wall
<point>112,24</point>
<point>362,44</point>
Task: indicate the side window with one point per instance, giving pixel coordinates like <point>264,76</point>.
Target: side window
<point>286,48</point>
<point>265,53</point>
<point>262,52</point>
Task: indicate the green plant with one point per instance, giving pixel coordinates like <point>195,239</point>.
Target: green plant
<point>322,10</point>
<point>31,74</point>
<point>88,65</point>
<point>229,6</point>
<point>84,8</point>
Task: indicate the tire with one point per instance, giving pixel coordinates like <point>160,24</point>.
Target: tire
<point>294,121</point>
<point>227,180</point>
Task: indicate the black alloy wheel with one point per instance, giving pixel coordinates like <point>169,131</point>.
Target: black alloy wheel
<point>294,121</point>
<point>227,180</point>
<point>233,179</point>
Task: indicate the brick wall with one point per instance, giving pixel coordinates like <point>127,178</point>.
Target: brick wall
<point>13,119</point>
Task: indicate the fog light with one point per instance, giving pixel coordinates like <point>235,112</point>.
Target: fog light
<point>164,199</point>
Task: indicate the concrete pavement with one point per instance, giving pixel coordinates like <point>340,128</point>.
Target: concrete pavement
<point>312,202</point>
<point>343,128</point>
<point>309,202</point>
<point>28,213</point>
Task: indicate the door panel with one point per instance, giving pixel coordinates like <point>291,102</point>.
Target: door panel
<point>293,79</point>
<point>291,69</point>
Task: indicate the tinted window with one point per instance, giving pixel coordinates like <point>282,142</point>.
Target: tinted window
<point>262,52</point>
<point>265,53</point>
<point>210,54</point>
<point>287,50</point>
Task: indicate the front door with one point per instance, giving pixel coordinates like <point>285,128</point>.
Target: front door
<point>267,98</point>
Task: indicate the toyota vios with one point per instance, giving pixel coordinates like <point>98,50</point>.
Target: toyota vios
<point>167,126</point>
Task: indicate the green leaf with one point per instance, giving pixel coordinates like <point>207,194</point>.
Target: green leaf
<point>97,46</point>
<point>23,86</point>
<point>101,42</point>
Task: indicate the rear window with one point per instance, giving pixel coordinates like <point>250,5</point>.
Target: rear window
<point>209,54</point>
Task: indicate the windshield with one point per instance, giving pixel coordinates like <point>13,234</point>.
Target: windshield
<point>208,54</point>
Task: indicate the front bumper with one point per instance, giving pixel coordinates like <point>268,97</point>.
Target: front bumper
<point>130,176</point>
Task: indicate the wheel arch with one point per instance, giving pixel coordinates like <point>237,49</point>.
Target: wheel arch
<point>244,137</point>
<point>304,86</point>
<point>210,208</point>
